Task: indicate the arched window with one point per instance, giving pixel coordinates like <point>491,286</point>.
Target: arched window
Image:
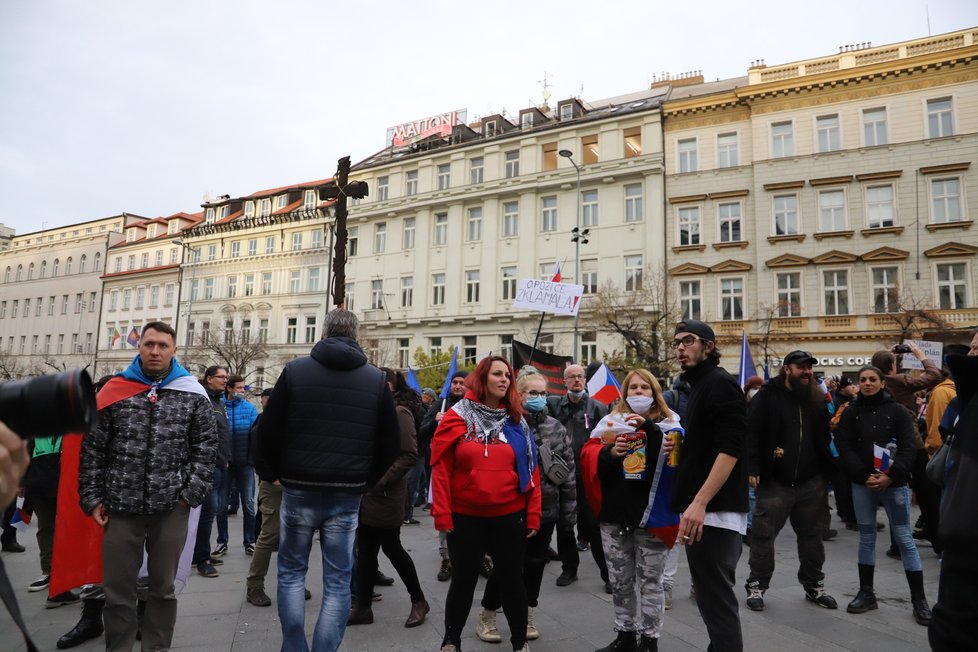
<point>56,267</point>
<point>20,272</point>
<point>98,262</point>
<point>30,271</point>
<point>44,268</point>
<point>68,266</point>
<point>81,263</point>
<point>6,275</point>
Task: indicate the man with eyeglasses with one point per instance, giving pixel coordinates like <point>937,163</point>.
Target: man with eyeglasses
<point>215,380</point>
<point>578,413</point>
<point>710,483</point>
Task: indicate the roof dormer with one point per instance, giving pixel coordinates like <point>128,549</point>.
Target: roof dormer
<point>570,109</point>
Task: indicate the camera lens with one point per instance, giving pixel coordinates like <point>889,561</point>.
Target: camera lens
<point>49,406</point>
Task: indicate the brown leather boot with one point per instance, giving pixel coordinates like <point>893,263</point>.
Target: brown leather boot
<point>419,610</point>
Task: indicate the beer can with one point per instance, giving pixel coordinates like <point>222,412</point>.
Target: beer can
<point>677,440</point>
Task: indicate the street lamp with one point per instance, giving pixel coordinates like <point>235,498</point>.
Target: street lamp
<point>190,293</point>
<point>576,237</point>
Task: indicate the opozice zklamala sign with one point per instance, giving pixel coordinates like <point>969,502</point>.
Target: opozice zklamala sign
<point>548,296</point>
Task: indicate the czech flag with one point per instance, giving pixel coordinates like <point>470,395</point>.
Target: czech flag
<point>116,338</point>
<point>603,386</point>
<point>556,278</point>
<point>881,458</point>
<point>21,518</point>
<point>658,519</point>
<point>133,337</point>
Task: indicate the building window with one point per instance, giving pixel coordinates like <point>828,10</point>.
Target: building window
<point>686,153</point>
<point>249,209</point>
<point>312,279</point>
<point>476,170</point>
<point>434,345</point>
<point>407,235</point>
<point>380,237</point>
<point>589,347</point>
<point>140,299</point>
<point>143,262</point>
<point>295,281</point>
<point>589,208</point>
<point>352,241</point>
<point>51,302</point>
<point>782,139</point>
<point>168,293</point>
<point>236,248</point>
<point>291,326</point>
<point>296,241</point>
<point>689,225</point>
<point>209,288</point>
<point>113,300</point>
<point>526,121</point>
<point>57,263</point>
<point>194,289</point>
<point>940,118</point>
<point>952,286</point>
<point>154,296</point>
<point>727,154</point>
<point>383,188</point>
<point>633,273</point>
<point>879,206</point>
<point>731,299</point>
<point>253,246</point>
<point>174,258</point>
<point>547,343</point>
<point>548,271</point>
<point>249,285</point>
<point>126,300</point>
<point>131,263</point>
<point>376,294</point>
<point>469,349</point>
<point>263,330</point>
<point>438,289</point>
<point>407,291</point>
<point>159,261</point>
<point>730,227</point>
<point>512,164</point>
<point>270,244</point>
<point>444,176</point>
<point>439,235</point>
<point>511,219</point>
<point>835,291</point>
<point>828,138</point>
<point>205,332</point>
<point>786,215</point>
<point>265,207</point>
<point>549,214</point>
<point>411,183</point>
<point>945,197</point>
<point>549,156</point>
<point>309,199</point>
<point>228,331</point>
<point>509,283</point>
<point>789,294</point>
<point>473,224</point>
<point>886,289</point>
<point>690,299</point>
<point>589,150</point>
<point>874,127</point>
<point>831,210</point>
<point>245,331</point>
<point>633,142</point>
<point>404,352</point>
<point>266,282</point>
<point>211,252</point>
<point>472,286</point>
<point>310,330</point>
<point>27,306</point>
<point>633,202</point>
<point>589,275</point>
<point>317,239</point>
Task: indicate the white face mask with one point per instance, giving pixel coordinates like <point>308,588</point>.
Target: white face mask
<point>640,404</point>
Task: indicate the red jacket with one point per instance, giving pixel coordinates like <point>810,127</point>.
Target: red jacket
<point>477,479</point>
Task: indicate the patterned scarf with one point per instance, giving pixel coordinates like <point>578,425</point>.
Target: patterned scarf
<point>486,422</point>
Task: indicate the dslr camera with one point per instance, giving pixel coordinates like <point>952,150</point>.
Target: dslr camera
<point>49,406</point>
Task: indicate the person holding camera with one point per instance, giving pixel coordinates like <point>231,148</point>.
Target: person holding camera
<point>149,460</point>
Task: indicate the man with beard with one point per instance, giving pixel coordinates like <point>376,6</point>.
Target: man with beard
<point>789,462</point>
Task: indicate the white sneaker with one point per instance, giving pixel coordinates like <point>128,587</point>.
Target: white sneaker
<point>667,594</point>
<point>532,633</point>
<point>485,629</point>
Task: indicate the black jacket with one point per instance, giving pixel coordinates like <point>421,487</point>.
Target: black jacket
<point>578,418</point>
<point>223,454</point>
<point>778,418</point>
<point>623,502</point>
<point>330,422</point>
<point>426,430</point>
<point>716,422</point>
<point>876,420</point>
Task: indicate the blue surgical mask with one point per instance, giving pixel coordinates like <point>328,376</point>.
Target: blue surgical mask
<point>535,404</point>
<point>578,395</point>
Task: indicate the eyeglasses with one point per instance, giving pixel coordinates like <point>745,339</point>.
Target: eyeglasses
<point>534,393</point>
<point>688,340</point>
<point>574,377</point>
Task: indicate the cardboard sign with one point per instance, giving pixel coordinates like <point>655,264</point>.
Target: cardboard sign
<point>547,296</point>
<point>933,350</point>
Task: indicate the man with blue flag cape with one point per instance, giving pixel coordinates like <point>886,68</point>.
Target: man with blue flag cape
<point>142,469</point>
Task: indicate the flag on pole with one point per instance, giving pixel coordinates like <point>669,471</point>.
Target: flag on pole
<point>116,337</point>
<point>881,458</point>
<point>21,518</point>
<point>556,278</point>
<point>603,386</point>
<point>412,381</point>
<point>133,337</point>
<point>452,368</point>
<point>747,366</point>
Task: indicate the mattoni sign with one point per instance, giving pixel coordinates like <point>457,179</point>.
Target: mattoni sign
<point>405,134</point>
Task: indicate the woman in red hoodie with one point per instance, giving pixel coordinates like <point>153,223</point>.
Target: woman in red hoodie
<point>486,494</point>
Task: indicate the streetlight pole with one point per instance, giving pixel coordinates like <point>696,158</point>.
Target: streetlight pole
<point>566,153</point>
<point>190,294</point>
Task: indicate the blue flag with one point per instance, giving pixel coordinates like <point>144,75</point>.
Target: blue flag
<point>412,381</point>
<point>747,367</point>
<point>451,372</point>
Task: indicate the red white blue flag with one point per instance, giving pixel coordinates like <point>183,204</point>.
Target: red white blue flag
<point>603,386</point>
<point>881,458</point>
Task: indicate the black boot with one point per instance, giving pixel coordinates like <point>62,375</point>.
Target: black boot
<point>624,643</point>
<point>140,612</point>
<point>88,627</point>
<point>865,600</point>
<point>921,610</point>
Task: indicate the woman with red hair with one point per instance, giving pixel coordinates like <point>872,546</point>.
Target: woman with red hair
<point>486,489</point>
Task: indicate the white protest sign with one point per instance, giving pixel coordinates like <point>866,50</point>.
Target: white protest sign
<point>933,350</point>
<point>547,296</point>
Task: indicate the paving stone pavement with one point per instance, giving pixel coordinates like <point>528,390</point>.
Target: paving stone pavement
<point>214,615</point>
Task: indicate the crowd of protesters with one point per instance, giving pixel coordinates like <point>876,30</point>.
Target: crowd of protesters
<point>347,451</point>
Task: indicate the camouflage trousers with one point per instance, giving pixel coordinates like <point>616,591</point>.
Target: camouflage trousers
<point>635,562</point>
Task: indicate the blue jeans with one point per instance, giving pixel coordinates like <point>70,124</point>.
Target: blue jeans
<point>896,503</point>
<point>334,515</point>
<point>244,481</point>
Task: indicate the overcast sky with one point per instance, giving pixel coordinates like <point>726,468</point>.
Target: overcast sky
<point>111,106</point>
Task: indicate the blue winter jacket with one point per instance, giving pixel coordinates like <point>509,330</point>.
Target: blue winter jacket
<point>241,417</point>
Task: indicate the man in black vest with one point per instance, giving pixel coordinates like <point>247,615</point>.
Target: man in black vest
<point>328,433</point>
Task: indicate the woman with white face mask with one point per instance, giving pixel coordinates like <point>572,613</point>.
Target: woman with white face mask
<point>635,556</point>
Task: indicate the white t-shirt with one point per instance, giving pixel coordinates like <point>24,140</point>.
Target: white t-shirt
<point>736,521</point>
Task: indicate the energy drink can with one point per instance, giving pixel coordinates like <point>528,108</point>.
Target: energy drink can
<point>677,440</point>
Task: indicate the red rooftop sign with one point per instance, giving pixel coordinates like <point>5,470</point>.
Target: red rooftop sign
<point>403,135</point>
